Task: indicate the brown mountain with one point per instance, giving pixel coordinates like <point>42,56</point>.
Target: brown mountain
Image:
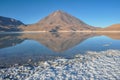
<point>58,21</point>
<point>115,27</point>
<point>9,24</point>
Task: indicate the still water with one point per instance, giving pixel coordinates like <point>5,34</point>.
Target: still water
<point>19,48</point>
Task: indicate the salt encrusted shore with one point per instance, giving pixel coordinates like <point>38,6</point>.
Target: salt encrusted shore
<point>104,65</point>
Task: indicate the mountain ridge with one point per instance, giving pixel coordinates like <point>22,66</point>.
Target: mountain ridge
<point>54,22</point>
<point>9,24</point>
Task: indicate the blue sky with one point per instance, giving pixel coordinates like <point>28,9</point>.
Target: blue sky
<point>101,13</point>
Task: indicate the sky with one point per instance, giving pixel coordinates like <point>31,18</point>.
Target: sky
<point>99,13</point>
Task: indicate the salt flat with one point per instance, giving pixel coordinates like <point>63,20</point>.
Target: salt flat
<point>102,65</point>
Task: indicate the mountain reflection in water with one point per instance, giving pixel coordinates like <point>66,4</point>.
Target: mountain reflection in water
<point>58,42</point>
<point>22,47</point>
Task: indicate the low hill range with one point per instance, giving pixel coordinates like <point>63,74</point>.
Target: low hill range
<point>114,27</point>
<point>57,21</point>
<point>9,24</point>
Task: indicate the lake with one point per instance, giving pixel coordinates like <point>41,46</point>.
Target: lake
<point>23,48</point>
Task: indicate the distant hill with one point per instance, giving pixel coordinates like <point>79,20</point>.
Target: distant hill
<point>115,27</point>
<point>58,21</point>
<point>9,24</point>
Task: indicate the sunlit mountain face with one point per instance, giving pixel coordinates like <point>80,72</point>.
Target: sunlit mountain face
<point>59,21</point>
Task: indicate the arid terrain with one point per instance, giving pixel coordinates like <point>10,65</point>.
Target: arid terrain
<point>58,21</point>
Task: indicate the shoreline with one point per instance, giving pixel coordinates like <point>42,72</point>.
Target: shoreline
<point>101,65</point>
<point>60,32</point>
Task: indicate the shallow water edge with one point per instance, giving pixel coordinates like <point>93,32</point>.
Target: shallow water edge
<point>102,65</point>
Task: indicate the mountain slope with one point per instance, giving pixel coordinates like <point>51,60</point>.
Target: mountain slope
<point>58,21</point>
<point>9,24</point>
<point>114,27</point>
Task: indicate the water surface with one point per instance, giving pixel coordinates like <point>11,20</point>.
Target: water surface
<point>22,48</point>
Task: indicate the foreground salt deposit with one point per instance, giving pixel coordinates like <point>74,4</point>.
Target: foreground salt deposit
<point>91,66</point>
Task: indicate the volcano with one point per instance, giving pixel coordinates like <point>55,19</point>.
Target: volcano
<point>58,21</point>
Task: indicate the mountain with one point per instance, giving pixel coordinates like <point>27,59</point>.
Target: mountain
<point>58,21</point>
<point>114,27</point>
<point>9,24</point>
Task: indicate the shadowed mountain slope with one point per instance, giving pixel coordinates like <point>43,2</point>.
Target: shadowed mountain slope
<point>9,24</point>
